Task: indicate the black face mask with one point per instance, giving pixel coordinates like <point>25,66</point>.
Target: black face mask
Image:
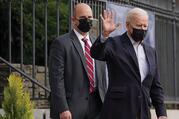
<point>138,34</point>
<point>85,25</point>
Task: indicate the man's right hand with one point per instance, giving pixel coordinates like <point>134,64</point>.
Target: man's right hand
<point>65,115</point>
<point>108,22</point>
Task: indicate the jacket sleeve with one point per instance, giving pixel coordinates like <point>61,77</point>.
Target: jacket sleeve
<point>56,77</point>
<point>99,49</point>
<point>157,94</point>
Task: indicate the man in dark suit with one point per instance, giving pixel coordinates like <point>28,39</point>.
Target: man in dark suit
<point>78,82</point>
<point>132,68</point>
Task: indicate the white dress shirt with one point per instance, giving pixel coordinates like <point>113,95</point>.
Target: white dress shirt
<point>80,37</point>
<point>141,57</point>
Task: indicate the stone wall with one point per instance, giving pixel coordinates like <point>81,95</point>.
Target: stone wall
<point>39,95</point>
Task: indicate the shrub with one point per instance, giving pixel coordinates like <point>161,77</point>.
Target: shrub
<point>16,104</point>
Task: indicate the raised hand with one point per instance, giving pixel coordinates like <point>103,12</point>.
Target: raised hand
<point>108,22</point>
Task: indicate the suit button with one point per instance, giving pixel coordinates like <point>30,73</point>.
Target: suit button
<point>86,98</point>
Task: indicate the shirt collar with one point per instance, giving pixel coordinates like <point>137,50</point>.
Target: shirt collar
<point>80,37</point>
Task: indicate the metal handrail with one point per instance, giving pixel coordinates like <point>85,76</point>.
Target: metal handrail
<point>25,75</point>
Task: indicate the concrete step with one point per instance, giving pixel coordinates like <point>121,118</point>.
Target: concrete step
<point>38,113</point>
<point>45,114</point>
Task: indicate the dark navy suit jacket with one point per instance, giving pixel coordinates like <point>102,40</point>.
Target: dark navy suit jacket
<point>127,97</point>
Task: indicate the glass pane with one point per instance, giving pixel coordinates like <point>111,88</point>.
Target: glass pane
<point>164,4</point>
<point>177,5</point>
<point>177,57</point>
<point>165,49</point>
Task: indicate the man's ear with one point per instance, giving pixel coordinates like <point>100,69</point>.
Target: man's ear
<point>127,25</point>
<point>72,18</point>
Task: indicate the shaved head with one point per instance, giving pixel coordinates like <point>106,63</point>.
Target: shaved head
<point>82,8</point>
<point>81,11</point>
<point>135,12</point>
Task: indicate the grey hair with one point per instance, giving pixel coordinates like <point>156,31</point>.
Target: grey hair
<point>135,11</point>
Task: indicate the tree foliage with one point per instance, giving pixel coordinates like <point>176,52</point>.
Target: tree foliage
<point>16,104</point>
<point>28,27</point>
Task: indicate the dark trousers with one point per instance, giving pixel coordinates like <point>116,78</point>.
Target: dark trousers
<point>94,106</point>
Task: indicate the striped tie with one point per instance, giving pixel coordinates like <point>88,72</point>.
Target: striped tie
<point>89,64</point>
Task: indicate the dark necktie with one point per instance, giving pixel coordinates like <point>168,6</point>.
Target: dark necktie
<point>89,64</point>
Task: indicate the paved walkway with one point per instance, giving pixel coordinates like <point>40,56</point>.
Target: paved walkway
<point>172,114</point>
<point>39,113</point>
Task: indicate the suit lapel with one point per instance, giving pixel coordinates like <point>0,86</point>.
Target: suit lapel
<point>97,72</point>
<point>79,49</point>
<point>92,40</point>
<point>130,49</point>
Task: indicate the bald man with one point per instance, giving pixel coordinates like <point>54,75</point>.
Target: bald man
<point>78,82</point>
<point>133,73</point>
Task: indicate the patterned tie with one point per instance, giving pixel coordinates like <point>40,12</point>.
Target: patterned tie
<point>89,64</point>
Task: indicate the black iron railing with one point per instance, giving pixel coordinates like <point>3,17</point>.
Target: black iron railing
<point>31,79</point>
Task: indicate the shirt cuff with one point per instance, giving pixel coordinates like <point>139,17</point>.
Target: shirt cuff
<point>102,39</point>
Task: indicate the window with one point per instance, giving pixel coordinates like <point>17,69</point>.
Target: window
<point>177,5</point>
